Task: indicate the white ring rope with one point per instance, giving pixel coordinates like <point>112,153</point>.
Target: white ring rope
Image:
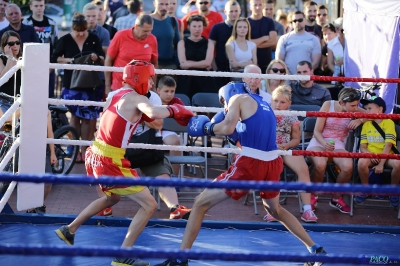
<point>163,147</point>
<point>10,73</point>
<point>7,195</point>
<point>184,72</point>
<point>195,109</point>
<point>9,154</point>
<point>10,111</point>
<point>3,164</point>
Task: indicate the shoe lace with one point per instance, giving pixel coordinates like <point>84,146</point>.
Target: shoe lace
<point>311,213</point>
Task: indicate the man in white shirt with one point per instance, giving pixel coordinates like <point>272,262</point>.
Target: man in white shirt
<point>3,21</point>
<point>255,83</point>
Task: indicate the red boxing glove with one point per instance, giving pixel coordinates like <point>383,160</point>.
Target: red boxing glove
<point>146,118</point>
<point>180,114</point>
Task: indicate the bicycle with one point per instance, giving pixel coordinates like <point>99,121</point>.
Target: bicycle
<point>369,90</point>
<point>66,154</point>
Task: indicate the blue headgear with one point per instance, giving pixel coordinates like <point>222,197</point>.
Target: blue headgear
<point>232,88</point>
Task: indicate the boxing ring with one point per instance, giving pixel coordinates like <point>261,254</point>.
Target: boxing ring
<point>30,238</point>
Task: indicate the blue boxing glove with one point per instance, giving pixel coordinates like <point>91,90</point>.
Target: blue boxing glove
<point>200,125</point>
<point>233,138</point>
<point>218,117</point>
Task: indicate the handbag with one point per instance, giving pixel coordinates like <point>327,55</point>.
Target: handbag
<point>85,80</point>
<point>375,178</point>
<point>145,157</point>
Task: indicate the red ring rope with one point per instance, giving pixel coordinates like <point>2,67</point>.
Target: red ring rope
<point>351,79</point>
<point>345,154</point>
<point>352,115</point>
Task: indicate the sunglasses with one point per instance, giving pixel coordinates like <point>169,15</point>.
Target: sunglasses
<point>298,20</point>
<point>352,98</point>
<point>342,30</point>
<point>324,15</point>
<point>13,43</point>
<point>204,3</point>
<point>281,70</point>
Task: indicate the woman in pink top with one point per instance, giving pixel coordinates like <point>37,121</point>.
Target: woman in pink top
<point>288,137</point>
<point>330,135</point>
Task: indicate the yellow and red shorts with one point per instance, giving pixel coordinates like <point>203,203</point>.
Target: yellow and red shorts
<point>102,159</point>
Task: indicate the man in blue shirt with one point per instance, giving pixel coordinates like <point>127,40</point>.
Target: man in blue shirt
<point>263,34</point>
<point>166,30</point>
<point>26,32</point>
<point>91,13</point>
<point>219,35</point>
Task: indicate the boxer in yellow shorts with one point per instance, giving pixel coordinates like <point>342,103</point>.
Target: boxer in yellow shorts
<point>124,110</point>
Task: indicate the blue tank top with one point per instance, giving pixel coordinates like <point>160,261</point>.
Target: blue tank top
<point>259,130</point>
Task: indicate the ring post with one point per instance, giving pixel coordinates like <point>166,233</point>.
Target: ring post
<point>33,128</point>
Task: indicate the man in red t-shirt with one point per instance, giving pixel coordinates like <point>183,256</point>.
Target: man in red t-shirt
<point>203,8</point>
<point>136,43</point>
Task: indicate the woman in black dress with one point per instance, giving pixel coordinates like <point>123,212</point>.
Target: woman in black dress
<point>75,44</point>
<point>195,53</point>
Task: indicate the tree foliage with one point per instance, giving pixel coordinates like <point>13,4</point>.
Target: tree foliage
<point>20,2</point>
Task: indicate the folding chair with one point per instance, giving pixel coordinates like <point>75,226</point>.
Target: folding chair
<point>171,125</point>
<point>184,98</point>
<point>302,107</point>
<point>371,202</point>
<point>306,135</point>
<point>307,127</point>
<point>208,99</point>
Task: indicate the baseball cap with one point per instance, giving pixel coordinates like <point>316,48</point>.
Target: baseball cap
<point>376,100</point>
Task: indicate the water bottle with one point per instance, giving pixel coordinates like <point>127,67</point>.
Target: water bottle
<point>336,70</point>
<point>263,85</point>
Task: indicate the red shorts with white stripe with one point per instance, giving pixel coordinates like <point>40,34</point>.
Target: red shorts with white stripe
<point>249,169</point>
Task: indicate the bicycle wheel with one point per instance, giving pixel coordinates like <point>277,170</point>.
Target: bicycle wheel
<point>66,154</point>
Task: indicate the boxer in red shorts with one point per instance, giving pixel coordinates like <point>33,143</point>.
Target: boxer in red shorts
<point>124,110</point>
<point>251,121</point>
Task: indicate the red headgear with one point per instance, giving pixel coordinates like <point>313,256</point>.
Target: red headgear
<point>137,74</point>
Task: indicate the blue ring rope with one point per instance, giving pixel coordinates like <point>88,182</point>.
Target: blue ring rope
<point>136,252</point>
<point>263,186</point>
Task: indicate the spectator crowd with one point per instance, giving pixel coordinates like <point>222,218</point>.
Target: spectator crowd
<point>212,37</point>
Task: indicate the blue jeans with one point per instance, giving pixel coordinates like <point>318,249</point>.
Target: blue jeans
<point>4,105</point>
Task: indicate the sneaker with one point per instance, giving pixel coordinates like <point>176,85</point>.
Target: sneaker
<point>319,251</point>
<point>314,202</point>
<point>64,234</point>
<point>394,201</point>
<point>174,263</point>
<point>105,212</point>
<point>180,212</point>
<point>269,218</point>
<point>340,205</point>
<point>360,199</point>
<point>129,262</point>
<point>309,217</point>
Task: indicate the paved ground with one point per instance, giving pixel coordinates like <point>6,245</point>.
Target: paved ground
<point>71,199</point>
